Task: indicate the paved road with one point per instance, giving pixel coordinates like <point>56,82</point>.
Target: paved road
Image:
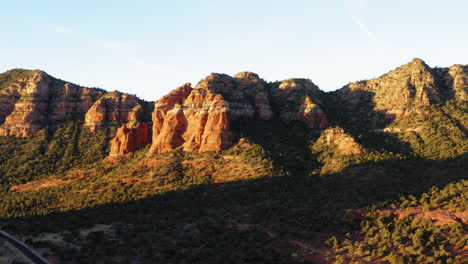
<point>27,252</point>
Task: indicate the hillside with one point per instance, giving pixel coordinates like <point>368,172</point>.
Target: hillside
<point>239,170</point>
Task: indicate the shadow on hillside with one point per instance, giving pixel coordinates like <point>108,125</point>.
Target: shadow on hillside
<point>361,120</point>
<point>286,143</point>
<point>229,222</point>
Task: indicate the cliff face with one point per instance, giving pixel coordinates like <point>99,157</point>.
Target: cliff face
<point>113,109</point>
<point>130,138</point>
<point>199,119</point>
<point>299,99</point>
<point>455,81</point>
<point>406,90</point>
<point>246,93</point>
<point>194,119</point>
<point>30,100</point>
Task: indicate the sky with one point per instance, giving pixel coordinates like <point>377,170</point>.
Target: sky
<point>149,48</point>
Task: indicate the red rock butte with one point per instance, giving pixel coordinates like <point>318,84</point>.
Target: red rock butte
<point>199,119</point>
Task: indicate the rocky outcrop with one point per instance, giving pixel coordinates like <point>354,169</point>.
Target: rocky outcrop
<point>199,119</point>
<point>336,149</point>
<point>246,93</point>
<point>341,142</point>
<point>408,89</point>
<point>32,99</point>
<point>411,84</point>
<point>130,138</point>
<point>455,80</point>
<point>194,119</point>
<point>299,99</point>
<point>29,100</point>
<point>166,103</point>
<point>114,109</point>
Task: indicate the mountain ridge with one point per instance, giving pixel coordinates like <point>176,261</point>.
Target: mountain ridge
<point>199,118</point>
<point>240,169</point>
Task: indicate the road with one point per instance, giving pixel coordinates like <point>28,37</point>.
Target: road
<point>27,252</point>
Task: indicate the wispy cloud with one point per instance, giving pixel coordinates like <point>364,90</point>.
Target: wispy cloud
<point>358,20</point>
<point>62,30</point>
<point>356,8</point>
<point>127,51</point>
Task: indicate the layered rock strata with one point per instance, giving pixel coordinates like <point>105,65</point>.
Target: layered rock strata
<point>130,138</point>
<point>29,100</point>
<point>113,109</point>
<point>32,99</point>
<point>199,119</point>
<point>194,119</point>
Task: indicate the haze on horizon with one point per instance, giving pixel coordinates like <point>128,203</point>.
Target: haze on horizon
<point>151,47</point>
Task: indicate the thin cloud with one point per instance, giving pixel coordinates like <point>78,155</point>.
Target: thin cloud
<point>62,30</point>
<point>124,49</point>
<point>363,27</point>
<point>355,9</point>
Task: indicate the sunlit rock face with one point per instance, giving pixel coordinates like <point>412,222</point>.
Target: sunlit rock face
<point>113,109</point>
<point>130,138</point>
<point>30,100</point>
<point>299,99</point>
<point>194,119</point>
<point>407,89</point>
<point>199,119</point>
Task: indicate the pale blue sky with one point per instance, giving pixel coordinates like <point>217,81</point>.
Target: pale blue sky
<point>151,47</point>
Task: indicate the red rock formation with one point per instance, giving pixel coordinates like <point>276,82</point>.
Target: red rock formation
<point>253,87</point>
<point>198,122</point>
<point>246,93</point>
<point>166,103</point>
<point>199,119</point>
<point>130,138</point>
<point>30,100</point>
<point>311,114</point>
<point>112,109</point>
<point>299,99</point>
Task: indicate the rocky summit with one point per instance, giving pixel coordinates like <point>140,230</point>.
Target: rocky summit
<point>403,91</point>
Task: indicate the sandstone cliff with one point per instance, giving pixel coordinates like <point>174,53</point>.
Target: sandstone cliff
<point>29,100</point>
<point>32,99</point>
<point>113,109</point>
<point>130,138</point>
<point>194,119</point>
<point>199,119</point>
<point>299,99</point>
